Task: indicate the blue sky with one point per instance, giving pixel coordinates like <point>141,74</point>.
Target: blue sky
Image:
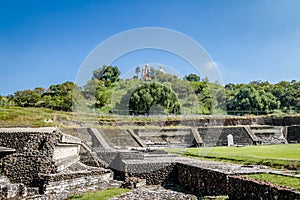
<point>45,42</point>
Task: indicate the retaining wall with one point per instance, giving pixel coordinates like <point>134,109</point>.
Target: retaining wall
<point>41,140</point>
<point>246,188</point>
<point>34,147</point>
<point>215,121</point>
<point>66,183</point>
<point>25,167</point>
<point>200,181</point>
<point>217,136</point>
<point>154,173</point>
<point>167,137</point>
<point>196,180</point>
<point>293,134</point>
<point>47,160</point>
<point>38,150</point>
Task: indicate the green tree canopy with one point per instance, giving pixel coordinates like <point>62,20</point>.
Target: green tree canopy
<point>109,74</point>
<point>26,98</point>
<point>59,96</point>
<point>103,94</point>
<point>251,100</point>
<point>192,78</point>
<point>153,94</point>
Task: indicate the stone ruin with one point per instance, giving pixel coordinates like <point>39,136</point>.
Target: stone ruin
<point>47,163</point>
<point>44,163</point>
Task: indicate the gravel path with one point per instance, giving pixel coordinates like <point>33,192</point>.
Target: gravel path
<point>154,193</point>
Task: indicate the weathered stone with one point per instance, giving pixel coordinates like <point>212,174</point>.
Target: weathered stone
<point>246,188</point>
<point>154,193</point>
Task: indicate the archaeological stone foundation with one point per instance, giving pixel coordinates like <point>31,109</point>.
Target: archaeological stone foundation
<point>49,163</point>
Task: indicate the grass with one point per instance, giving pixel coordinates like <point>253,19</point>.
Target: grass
<point>277,156</point>
<point>100,195</point>
<point>24,117</point>
<point>279,180</point>
<point>12,116</point>
<point>36,117</point>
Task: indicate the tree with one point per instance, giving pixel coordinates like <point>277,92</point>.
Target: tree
<point>90,88</point>
<point>288,94</point>
<point>108,74</point>
<point>269,101</point>
<point>26,98</point>
<point>161,77</point>
<point>251,100</point>
<point>1,100</point>
<point>103,94</point>
<point>153,94</point>
<point>137,71</point>
<point>192,78</point>
<point>59,96</point>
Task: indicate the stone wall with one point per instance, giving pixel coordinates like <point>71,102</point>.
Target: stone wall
<point>216,121</point>
<point>200,181</point>
<point>210,136</point>
<point>12,190</point>
<point>282,121</point>
<point>58,186</point>
<point>47,160</point>
<point>217,136</point>
<point>293,134</point>
<point>269,134</point>
<point>246,188</point>
<point>167,137</point>
<point>194,179</point>
<point>34,152</point>
<point>38,150</point>
<point>117,155</point>
<point>87,159</point>
<point>41,140</point>
<point>25,167</point>
<point>153,173</point>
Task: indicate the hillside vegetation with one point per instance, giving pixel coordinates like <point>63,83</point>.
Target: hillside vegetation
<point>159,93</point>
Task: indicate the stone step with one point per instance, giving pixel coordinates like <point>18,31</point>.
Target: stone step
<point>264,127</point>
<point>119,138</point>
<point>274,131</point>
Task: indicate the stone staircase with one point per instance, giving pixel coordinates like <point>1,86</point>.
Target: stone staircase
<point>98,134</point>
<point>269,134</point>
<point>167,138</point>
<point>118,139</point>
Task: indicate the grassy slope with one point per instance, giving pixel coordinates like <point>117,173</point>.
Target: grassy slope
<point>279,180</point>
<point>287,156</point>
<point>35,117</point>
<point>101,195</point>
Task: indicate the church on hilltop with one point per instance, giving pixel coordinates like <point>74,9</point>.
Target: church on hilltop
<point>146,72</point>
